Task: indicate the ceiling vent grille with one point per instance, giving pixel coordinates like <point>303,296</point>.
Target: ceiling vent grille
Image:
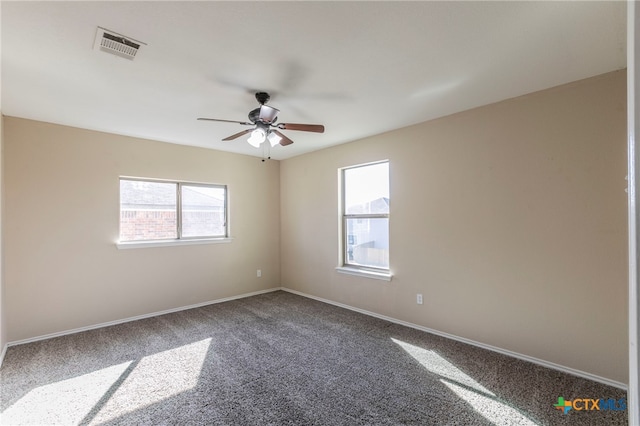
<point>116,44</point>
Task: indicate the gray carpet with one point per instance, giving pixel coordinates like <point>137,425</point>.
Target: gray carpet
<point>279,359</point>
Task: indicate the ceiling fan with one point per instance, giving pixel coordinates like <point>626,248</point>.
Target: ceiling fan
<point>264,120</point>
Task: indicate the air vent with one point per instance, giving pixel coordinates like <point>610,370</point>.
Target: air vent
<point>116,44</point>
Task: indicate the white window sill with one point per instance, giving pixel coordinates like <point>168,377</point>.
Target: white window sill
<point>168,243</point>
<point>384,276</point>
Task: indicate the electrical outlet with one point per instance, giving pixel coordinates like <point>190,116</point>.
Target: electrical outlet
<point>419,299</point>
<point>259,273</point>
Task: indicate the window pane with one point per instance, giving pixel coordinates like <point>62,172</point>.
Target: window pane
<point>367,242</point>
<point>203,211</point>
<point>366,189</point>
<point>147,210</point>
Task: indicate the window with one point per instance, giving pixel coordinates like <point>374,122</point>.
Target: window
<point>161,210</point>
<point>365,217</point>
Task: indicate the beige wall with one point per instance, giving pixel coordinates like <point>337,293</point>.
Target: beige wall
<point>62,268</point>
<point>510,219</point>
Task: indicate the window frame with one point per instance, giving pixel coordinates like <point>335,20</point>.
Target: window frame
<point>180,239</point>
<point>345,265</point>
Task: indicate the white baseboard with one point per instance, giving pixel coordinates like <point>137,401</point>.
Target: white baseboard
<point>538,361</point>
<point>4,351</point>
<point>138,317</point>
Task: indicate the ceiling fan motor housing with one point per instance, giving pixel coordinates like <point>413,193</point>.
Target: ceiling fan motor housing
<point>254,115</point>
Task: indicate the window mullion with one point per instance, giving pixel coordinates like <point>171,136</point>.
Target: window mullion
<point>367,216</point>
<point>226,213</point>
<point>345,242</point>
<point>179,210</point>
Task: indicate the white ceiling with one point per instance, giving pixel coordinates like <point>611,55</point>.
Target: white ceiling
<point>359,68</point>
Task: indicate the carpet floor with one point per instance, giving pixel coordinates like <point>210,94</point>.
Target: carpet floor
<point>282,359</point>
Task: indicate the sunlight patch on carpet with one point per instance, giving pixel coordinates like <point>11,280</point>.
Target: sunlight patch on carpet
<point>64,402</point>
<point>440,366</point>
<point>491,409</point>
<point>466,388</point>
<point>156,378</point>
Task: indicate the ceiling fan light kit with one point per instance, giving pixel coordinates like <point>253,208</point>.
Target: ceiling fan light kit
<point>274,139</point>
<point>264,119</point>
<point>257,137</point>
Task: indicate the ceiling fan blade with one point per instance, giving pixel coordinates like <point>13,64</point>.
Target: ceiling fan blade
<point>237,135</point>
<point>226,121</point>
<point>285,140</point>
<point>318,128</point>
